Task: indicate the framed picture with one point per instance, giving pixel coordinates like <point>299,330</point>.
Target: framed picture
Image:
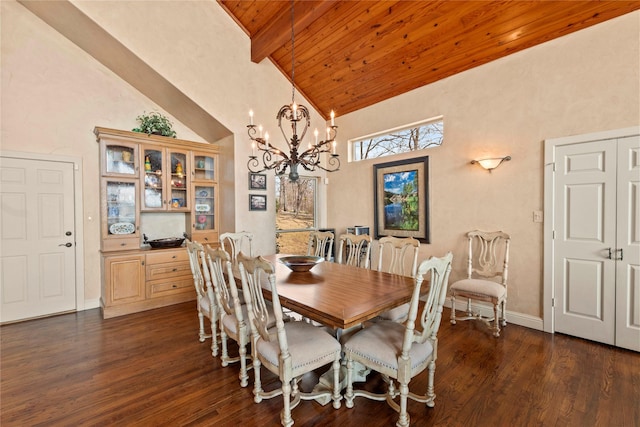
<point>257,202</point>
<point>257,181</point>
<point>401,199</point>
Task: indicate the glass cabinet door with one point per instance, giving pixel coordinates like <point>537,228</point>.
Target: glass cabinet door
<point>120,159</point>
<point>204,167</point>
<point>153,179</point>
<point>121,209</point>
<point>179,181</point>
<point>204,207</point>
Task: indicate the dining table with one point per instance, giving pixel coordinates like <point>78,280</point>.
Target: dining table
<point>336,295</point>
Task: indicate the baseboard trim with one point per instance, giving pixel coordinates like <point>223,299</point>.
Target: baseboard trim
<point>91,304</point>
<point>513,317</point>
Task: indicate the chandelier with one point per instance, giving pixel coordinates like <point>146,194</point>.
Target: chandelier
<point>297,118</point>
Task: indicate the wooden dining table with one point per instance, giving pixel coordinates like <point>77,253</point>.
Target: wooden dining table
<point>338,295</point>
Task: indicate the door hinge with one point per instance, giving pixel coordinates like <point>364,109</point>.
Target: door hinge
<point>553,234</point>
<point>553,302</point>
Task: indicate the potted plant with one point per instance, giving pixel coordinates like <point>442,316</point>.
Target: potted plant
<point>155,123</point>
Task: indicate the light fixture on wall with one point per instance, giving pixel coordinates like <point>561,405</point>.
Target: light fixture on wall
<point>308,157</point>
<point>491,163</point>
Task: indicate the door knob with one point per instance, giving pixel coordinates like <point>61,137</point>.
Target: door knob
<point>68,244</point>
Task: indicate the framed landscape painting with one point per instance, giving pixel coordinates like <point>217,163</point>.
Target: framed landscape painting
<point>401,199</point>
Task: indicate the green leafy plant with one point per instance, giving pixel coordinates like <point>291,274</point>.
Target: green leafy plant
<point>156,124</point>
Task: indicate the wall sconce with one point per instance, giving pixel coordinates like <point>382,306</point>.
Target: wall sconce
<point>491,163</point>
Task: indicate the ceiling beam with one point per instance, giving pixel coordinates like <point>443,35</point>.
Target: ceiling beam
<point>278,32</point>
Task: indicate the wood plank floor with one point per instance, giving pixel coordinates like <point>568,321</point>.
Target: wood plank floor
<point>148,369</point>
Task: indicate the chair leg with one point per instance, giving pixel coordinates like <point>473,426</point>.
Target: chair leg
<point>453,310</point>
<point>201,335</point>
<point>431,395</point>
<point>244,377</point>
<point>349,394</point>
<point>496,320</point>
<point>336,384</point>
<point>504,313</point>
<point>225,352</point>
<point>285,416</point>
<point>257,384</point>
<point>403,420</point>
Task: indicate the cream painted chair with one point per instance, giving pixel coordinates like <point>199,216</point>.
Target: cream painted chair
<point>233,314</point>
<point>289,350</point>
<point>321,244</point>
<point>400,352</point>
<point>487,268</point>
<point>234,243</point>
<point>205,301</point>
<point>398,255</point>
<point>354,249</point>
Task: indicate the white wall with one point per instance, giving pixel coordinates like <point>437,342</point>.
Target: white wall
<point>54,94</point>
<point>584,82</point>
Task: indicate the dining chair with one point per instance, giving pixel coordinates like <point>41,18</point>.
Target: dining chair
<point>398,255</point>
<point>233,314</point>
<point>321,244</point>
<point>354,249</point>
<point>205,301</point>
<point>400,351</point>
<point>289,350</point>
<point>233,243</point>
<point>487,262</point>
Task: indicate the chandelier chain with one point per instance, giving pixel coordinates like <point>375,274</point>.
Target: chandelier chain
<point>293,57</point>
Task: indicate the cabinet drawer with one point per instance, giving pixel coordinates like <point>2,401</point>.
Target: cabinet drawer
<point>169,270</point>
<point>206,238</point>
<point>166,256</point>
<point>125,244</point>
<point>170,287</point>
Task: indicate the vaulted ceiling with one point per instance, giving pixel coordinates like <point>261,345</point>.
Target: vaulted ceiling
<point>352,54</point>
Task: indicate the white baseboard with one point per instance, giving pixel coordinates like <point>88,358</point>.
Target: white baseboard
<point>519,319</point>
<point>91,303</point>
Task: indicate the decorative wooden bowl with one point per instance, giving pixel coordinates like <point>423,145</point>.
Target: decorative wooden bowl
<point>301,263</point>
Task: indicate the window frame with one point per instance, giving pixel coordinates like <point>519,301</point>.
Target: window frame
<point>352,143</point>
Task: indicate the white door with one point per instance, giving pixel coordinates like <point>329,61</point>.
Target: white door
<point>628,245</point>
<point>584,224</point>
<point>37,227</point>
<point>597,241</point>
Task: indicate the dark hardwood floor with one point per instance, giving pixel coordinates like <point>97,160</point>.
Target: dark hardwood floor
<point>148,369</point>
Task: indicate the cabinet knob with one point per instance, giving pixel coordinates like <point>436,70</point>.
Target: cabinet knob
<point>175,269</point>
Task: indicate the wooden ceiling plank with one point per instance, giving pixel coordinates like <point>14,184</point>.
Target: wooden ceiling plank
<point>491,49</point>
<point>357,53</point>
<point>278,31</point>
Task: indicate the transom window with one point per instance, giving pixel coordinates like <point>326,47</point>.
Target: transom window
<point>416,136</point>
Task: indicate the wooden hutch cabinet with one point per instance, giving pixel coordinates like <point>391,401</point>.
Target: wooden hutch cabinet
<point>140,174</point>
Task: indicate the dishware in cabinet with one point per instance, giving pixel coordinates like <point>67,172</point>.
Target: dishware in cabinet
<point>204,223</point>
<point>119,158</point>
<point>120,214</point>
<point>204,167</point>
<point>166,179</point>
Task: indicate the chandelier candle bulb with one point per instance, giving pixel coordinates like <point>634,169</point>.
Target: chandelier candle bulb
<point>333,116</point>
<point>253,149</point>
<point>315,133</point>
<point>260,129</point>
<point>251,117</point>
<point>293,109</point>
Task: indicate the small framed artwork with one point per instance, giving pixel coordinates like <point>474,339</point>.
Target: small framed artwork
<point>401,198</point>
<point>257,181</point>
<point>257,202</point>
